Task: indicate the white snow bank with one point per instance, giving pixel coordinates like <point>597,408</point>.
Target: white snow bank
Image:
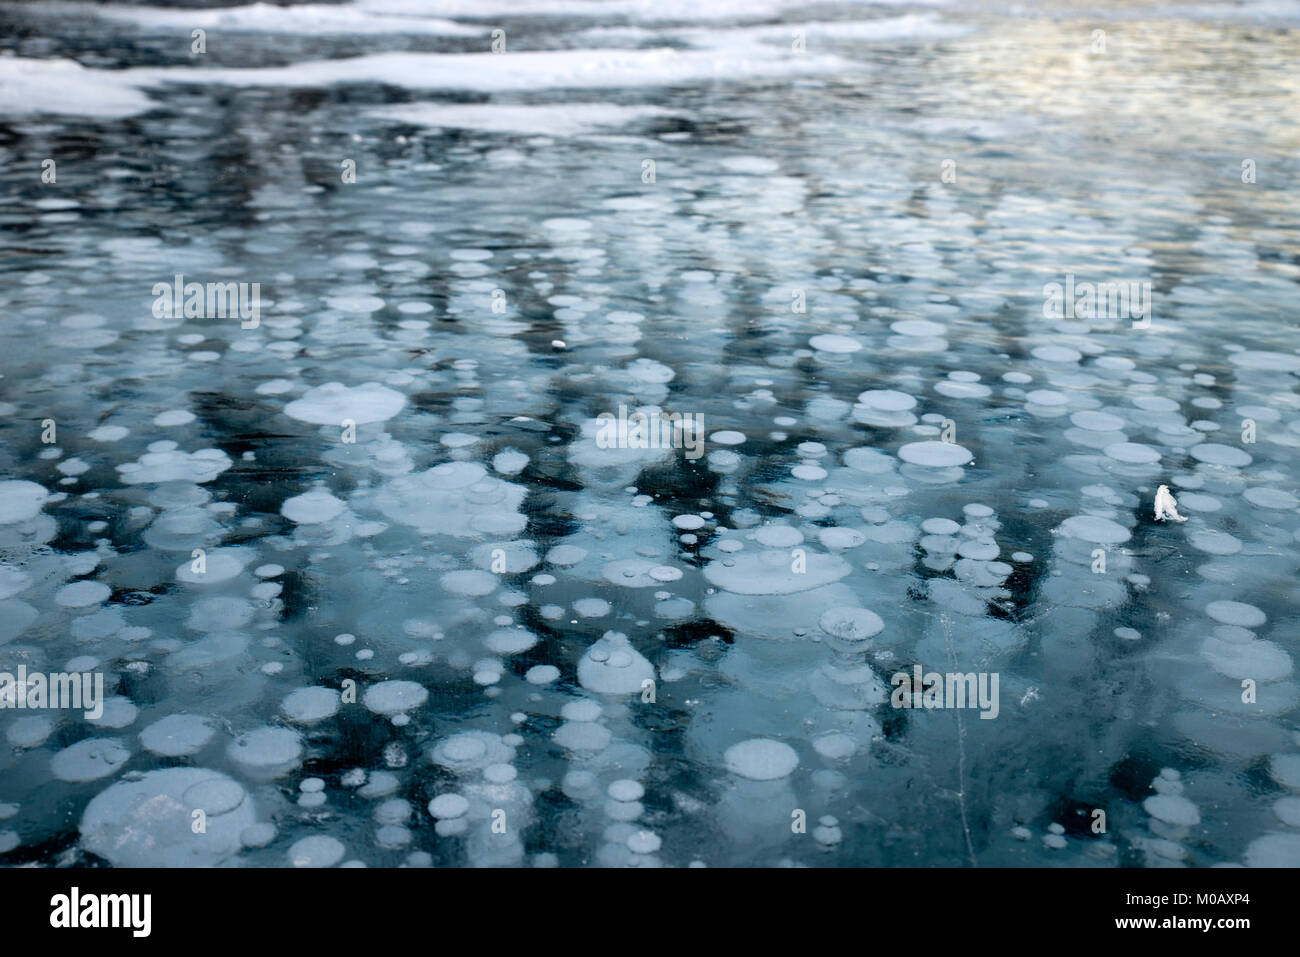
<point>64,86</point>
<point>568,119</point>
<point>308,19</point>
<point>532,70</point>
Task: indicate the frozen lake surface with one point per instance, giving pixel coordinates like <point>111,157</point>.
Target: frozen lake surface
<point>378,572</point>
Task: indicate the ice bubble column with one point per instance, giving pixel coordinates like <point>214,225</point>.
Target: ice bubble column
<point>1077,588</point>
<point>847,682</point>
<point>1171,819</point>
<point>492,808</point>
<point>756,806</point>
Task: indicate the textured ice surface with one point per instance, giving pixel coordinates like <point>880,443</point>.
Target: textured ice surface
<point>147,822</point>
<point>363,573</point>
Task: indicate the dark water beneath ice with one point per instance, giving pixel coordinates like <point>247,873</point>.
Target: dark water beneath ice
<point>503,271</point>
